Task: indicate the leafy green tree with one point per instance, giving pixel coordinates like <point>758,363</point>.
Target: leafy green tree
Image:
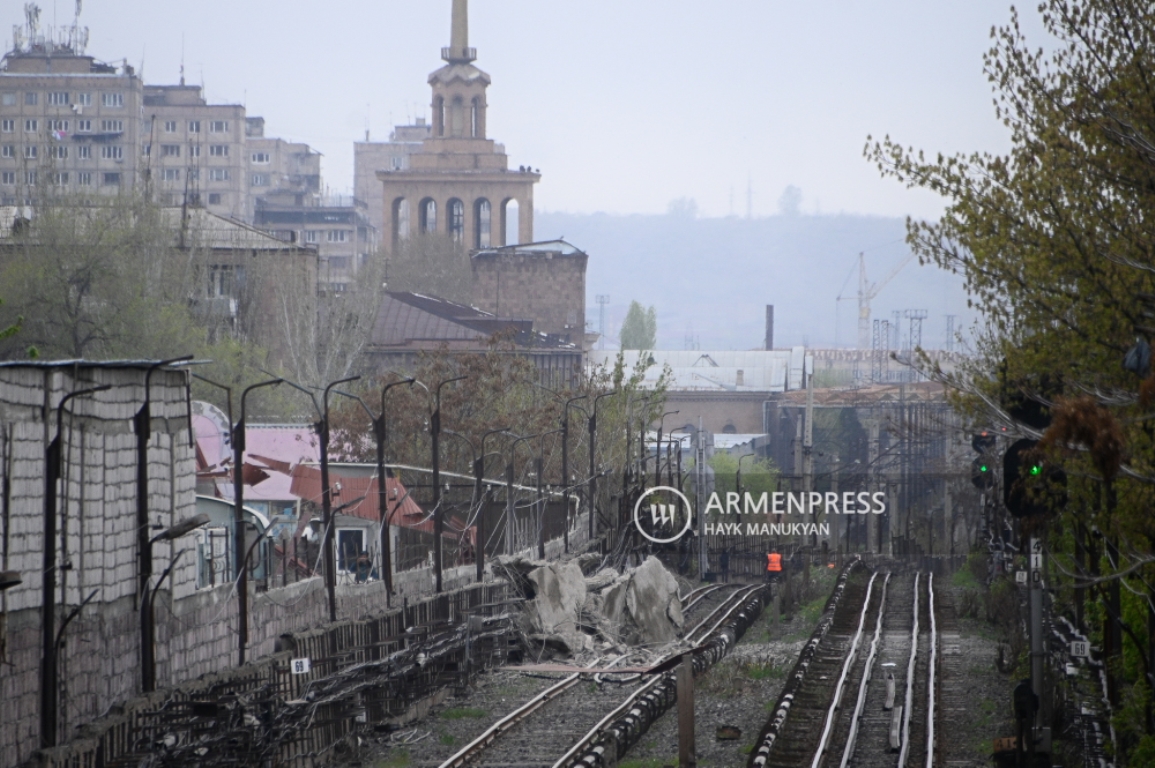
<point>640,328</point>
<point>1054,241</point>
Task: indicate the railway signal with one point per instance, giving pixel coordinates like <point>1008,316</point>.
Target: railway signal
<point>982,470</point>
<point>1031,487</point>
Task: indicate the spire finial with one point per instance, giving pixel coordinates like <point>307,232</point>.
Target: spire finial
<point>459,50</point>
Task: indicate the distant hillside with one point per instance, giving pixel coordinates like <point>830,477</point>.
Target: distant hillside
<point>711,278</point>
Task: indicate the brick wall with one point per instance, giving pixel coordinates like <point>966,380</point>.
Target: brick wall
<point>548,288</point>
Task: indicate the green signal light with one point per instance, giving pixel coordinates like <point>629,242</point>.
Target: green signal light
<point>1036,470</point>
<point>984,468</point>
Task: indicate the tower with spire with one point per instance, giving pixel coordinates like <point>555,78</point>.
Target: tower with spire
<point>458,185</point>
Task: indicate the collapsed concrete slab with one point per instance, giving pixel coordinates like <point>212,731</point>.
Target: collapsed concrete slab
<point>563,606</point>
<point>642,606</point>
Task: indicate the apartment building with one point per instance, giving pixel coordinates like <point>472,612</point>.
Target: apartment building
<point>66,120</point>
<point>337,226</point>
<point>393,155</point>
<point>195,151</point>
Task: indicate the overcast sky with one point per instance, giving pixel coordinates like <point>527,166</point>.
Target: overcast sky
<point>624,105</point>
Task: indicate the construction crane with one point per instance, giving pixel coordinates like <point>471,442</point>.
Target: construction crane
<point>867,291</point>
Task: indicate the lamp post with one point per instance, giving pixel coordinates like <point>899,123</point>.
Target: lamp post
<point>479,479</point>
<point>438,516</point>
<point>658,447</point>
<point>380,433</point>
<point>510,515</point>
<point>330,565</point>
<point>593,478</point>
<point>53,457</point>
<point>566,484</point>
<point>240,573</point>
<point>142,425</point>
<point>738,474</point>
<point>540,467</point>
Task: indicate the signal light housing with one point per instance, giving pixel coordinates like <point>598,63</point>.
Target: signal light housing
<point>1030,487</point>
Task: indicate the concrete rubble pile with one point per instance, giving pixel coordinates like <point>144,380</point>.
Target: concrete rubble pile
<point>566,611</point>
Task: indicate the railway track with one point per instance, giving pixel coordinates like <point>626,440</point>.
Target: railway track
<point>866,697</point>
<point>559,722</point>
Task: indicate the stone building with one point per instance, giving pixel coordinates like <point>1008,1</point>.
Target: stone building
<point>458,184</point>
<point>542,281</point>
<point>336,227</point>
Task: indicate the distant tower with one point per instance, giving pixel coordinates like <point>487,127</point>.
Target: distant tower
<point>950,320</point>
<point>458,184</point>
<point>603,300</point>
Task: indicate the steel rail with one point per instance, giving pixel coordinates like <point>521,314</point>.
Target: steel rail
<point>705,591</point>
<point>828,728</point>
<point>931,675</point>
<point>470,750</point>
<point>910,670</point>
<point>641,690</point>
<point>739,597</point>
<point>848,752</point>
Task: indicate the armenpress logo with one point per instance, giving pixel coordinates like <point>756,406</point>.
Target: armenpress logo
<point>663,514</point>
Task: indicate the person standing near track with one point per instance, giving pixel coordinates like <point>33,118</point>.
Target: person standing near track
<point>773,566</point>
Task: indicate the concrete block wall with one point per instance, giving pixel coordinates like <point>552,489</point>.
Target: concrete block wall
<point>99,658</point>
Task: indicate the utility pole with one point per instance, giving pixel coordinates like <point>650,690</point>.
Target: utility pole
<point>603,300</point>
<point>808,441</point>
<point>699,487</point>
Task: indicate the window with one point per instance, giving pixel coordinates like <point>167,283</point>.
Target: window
<point>7,151</point>
<point>170,126</point>
<point>30,177</point>
<point>219,174</point>
<point>31,99</point>
<point>112,152</point>
<point>337,236</point>
<point>170,150</point>
<point>215,198</point>
<point>427,216</point>
<point>58,99</point>
<point>84,179</point>
<point>60,179</point>
<point>8,126</point>
<point>219,150</point>
<point>60,153</point>
<point>172,174</point>
<point>312,236</point>
<point>8,177</point>
<point>457,219</point>
<point>84,99</point>
<point>84,126</point>
<point>112,179</point>
<point>112,126</point>
<point>194,150</point>
<point>30,151</point>
<point>339,262</point>
<point>84,152</point>
<point>261,158</point>
<point>8,99</point>
<point>112,99</point>
<point>219,126</point>
<point>58,125</point>
<point>146,150</point>
<point>194,126</point>
<point>194,174</point>
<point>260,179</point>
<point>31,126</point>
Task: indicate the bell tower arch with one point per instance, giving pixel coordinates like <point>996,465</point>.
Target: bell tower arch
<point>459,165</point>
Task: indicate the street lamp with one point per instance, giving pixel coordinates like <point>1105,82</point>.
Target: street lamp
<point>593,478</point>
<point>510,515</point>
<point>658,447</point>
<point>53,458</point>
<point>380,432</point>
<point>540,467</point>
<point>240,573</point>
<point>738,475</point>
<point>330,566</point>
<point>565,460</point>
<point>438,516</point>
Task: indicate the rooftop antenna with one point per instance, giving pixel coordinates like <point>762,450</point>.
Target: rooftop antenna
<point>181,56</point>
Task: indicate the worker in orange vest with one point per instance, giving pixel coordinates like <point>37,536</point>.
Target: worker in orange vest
<point>773,565</point>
